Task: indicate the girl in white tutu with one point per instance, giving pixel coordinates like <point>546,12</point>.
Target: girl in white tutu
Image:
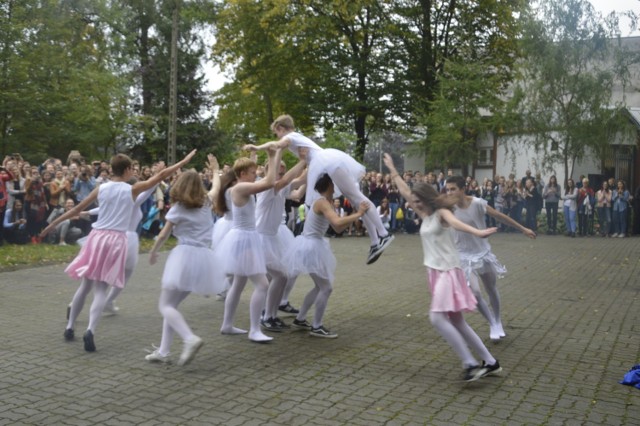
<point>311,254</point>
<point>101,261</point>
<point>450,295</point>
<point>190,264</point>
<point>343,170</point>
<point>276,238</point>
<point>222,206</point>
<point>241,250</point>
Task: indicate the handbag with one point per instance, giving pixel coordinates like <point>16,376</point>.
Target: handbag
<point>399,214</point>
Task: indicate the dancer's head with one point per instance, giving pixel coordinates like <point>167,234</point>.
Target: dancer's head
<point>425,198</point>
<point>119,164</point>
<point>324,184</point>
<point>283,123</point>
<point>188,190</point>
<point>245,169</point>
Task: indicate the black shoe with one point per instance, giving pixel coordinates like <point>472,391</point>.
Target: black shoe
<point>283,325</point>
<point>303,324</point>
<point>322,332</point>
<point>376,251</point>
<point>490,370</point>
<point>288,309</point>
<point>270,325</point>
<point>68,334</point>
<point>473,373</point>
<point>89,345</point>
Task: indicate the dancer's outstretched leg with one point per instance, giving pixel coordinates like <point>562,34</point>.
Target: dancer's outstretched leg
<point>231,304</point>
<point>257,304</point>
<point>489,280</point>
<point>482,305</point>
<point>442,323</point>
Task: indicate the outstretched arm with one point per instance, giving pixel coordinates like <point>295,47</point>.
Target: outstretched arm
<point>159,177</point>
<point>338,223</point>
<point>290,175</point>
<point>449,217</point>
<point>503,218</point>
<point>162,238</point>
<point>281,144</point>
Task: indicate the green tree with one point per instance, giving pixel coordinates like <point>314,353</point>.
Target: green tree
<point>564,95</point>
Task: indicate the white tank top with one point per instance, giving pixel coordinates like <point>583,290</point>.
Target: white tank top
<point>473,216</point>
<point>299,141</point>
<point>116,206</point>
<point>245,217</point>
<point>437,243</point>
<point>315,225</point>
<point>270,210</point>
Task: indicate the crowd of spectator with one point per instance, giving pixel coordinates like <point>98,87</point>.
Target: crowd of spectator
<point>31,196</point>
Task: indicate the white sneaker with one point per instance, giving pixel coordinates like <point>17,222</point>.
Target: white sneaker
<point>621,236</point>
<point>110,309</point>
<point>156,356</point>
<point>189,350</point>
<point>614,235</point>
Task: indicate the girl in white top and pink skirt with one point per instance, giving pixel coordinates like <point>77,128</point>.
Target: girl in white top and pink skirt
<point>450,294</point>
<point>101,261</point>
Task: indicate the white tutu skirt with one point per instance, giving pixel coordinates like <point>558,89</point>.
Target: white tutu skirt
<point>482,264</point>
<point>220,229</point>
<point>191,268</point>
<point>329,161</point>
<point>241,253</point>
<point>311,256</point>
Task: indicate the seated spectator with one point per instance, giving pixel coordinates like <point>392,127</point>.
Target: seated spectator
<point>15,224</point>
<point>384,211</point>
<point>68,231</point>
<point>337,207</point>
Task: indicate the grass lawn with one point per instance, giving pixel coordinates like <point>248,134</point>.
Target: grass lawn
<point>14,257</point>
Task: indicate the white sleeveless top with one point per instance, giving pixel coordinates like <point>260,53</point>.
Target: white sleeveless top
<point>244,217</point>
<point>437,243</point>
<point>270,210</point>
<point>116,206</point>
<point>191,226</point>
<point>315,225</point>
<point>474,216</point>
<point>299,141</point>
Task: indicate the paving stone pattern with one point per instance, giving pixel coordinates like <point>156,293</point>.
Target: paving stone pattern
<point>570,308</point>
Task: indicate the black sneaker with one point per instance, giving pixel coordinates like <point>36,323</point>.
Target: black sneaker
<point>89,345</point>
<point>288,309</point>
<point>283,325</point>
<point>270,325</point>
<point>473,373</point>
<point>303,324</point>
<point>490,370</point>
<point>69,335</point>
<point>376,251</point>
<point>322,332</point>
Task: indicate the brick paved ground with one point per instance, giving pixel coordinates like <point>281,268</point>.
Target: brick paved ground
<point>570,311</point>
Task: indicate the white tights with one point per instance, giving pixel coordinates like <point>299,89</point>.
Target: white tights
<point>287,290</point>
<point>492,315</point>
<point>277,286</point>
<point>173,321</point>
<point>459,335</point>
<point>318,295</point>
<point>258,298</point>
<point>99,299</point>
<point>115,291</point>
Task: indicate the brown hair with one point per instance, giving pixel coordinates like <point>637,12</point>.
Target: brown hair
<point>431,198</point>
<point>284,121</point>
<point>226,181</point>
<point>119,164</point>
<point>188,190</point>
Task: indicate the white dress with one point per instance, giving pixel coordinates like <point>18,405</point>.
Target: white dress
<point>311,252</point>
<point>191,263</point>
<point>241,251</point>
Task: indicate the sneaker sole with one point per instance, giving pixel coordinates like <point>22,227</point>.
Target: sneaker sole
<point>274,330</point>
<point>378,253</point>
<point>492,372</point>
<point>324,336</point>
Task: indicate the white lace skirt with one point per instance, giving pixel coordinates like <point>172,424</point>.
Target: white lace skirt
<point>311,256</point>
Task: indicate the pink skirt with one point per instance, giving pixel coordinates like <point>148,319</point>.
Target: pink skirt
<point>101,258</point>
<point>449,291</point>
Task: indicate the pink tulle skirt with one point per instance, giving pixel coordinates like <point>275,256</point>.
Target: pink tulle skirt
<point>449,291</point>
<point>101,258</point>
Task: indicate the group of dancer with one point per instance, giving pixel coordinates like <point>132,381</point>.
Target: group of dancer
<point>252,243</point>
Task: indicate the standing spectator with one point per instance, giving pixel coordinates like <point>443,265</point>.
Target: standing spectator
<point>603,208</point>
<point>527,175</point>
<point>551,195</point>
<point>473,189</point>
<point>520,202</point>
<point>499,198</point>
<point>377,190</point>
<point>35,205</point>
<point>16,186</point>
<point>570,207</point>
<point>585,208</point>
<point>489,195</point>
<point>531,198</point>
<point>620,201</point>
<point>394,203</point>
<point>82,187</point>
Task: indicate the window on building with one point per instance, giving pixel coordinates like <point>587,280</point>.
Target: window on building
<point>485,157</point>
